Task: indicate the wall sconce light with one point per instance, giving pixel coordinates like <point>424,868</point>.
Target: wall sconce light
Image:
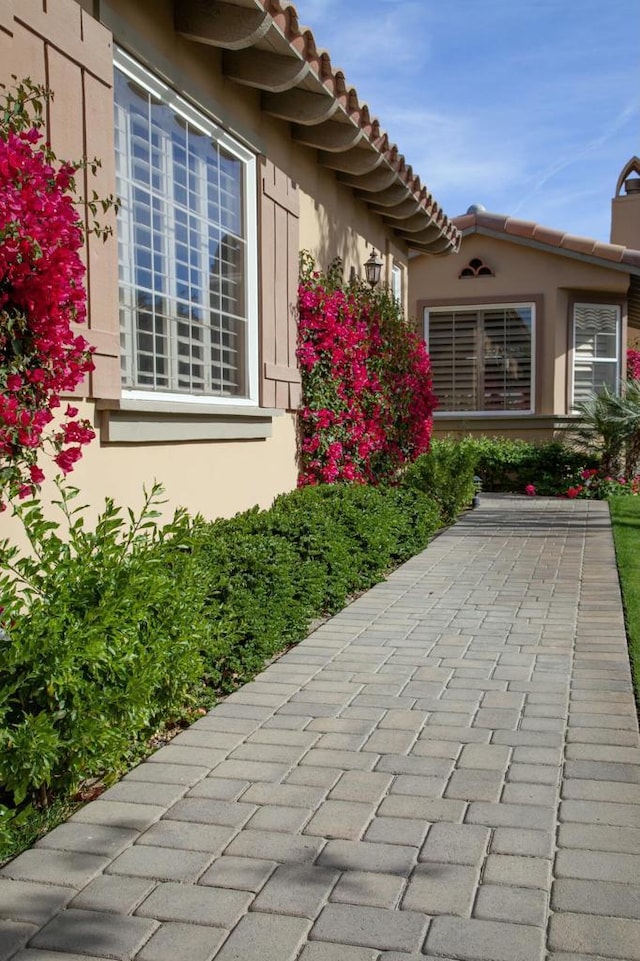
<point>373,269</point>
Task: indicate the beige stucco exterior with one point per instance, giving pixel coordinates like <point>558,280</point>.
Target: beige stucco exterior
<point>550,280</point>
<point>213,479</point>
<point>213,459</point>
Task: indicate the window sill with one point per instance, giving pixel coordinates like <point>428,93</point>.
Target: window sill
<point>127,421</point>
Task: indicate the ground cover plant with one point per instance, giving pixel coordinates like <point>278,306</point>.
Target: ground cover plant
<point>625,518</point>
<point>112,631</point>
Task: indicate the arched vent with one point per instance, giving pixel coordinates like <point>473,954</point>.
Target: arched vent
<point>476,268</point>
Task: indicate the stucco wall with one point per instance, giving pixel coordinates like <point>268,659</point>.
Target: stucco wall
<point>68,45</point>
<point>520,274</point>
<point>214,479</point>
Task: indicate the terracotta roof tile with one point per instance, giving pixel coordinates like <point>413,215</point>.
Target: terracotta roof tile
<point>609,251</point>
<point>582,245</point>
<point>547,235</point>
<point>494,221</point>
<point>521,228</point>
<point>466,220</point>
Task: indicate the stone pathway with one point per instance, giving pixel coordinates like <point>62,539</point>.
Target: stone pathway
<point>449,768</point>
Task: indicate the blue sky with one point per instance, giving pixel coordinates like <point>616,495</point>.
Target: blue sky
<point>530,107</point>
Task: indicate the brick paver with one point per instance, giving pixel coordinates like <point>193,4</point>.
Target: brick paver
<point>449,768</point>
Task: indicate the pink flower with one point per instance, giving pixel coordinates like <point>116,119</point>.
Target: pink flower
<point>67,458</point>
<point>36,474</point>
<point>14,382</point>
<point>530,490</point>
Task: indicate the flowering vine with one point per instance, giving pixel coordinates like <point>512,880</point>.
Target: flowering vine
<point>41,296</point>
<point>633,364</point>
<point>367,401</point>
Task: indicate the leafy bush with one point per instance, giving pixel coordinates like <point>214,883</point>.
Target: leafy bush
<point>102,636</point>
<point>512,465</point>
<point>266,574</point>
<point>108,633</point>
<point>446,473</point>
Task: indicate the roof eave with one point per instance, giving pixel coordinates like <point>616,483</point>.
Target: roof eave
<point>264,47</point>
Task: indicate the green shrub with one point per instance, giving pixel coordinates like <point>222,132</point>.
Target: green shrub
<point>446,474</point>
<point>101,642</point>
<point>510,465</point>
<point>108,633</point>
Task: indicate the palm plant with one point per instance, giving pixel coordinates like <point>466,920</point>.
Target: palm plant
<point>609,425</point>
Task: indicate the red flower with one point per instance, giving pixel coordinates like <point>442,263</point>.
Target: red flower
<point>366,383</point>
<point>36,474</point>
<point>41,297</point>
<point>67,458</point>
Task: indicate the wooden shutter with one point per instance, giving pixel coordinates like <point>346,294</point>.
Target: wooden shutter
<point>507,359</point>
<point>454,360</point>
<point>279,249</point>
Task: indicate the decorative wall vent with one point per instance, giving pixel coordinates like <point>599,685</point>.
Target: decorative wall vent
<point>476,268</point>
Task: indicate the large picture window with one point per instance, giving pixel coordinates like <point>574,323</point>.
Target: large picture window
<point>596,350</point>
<point>186,245</point>
<point>482,357</point>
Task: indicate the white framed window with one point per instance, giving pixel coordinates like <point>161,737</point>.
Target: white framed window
<point>482,358</point>
<point>596,350</point>
<point>187,247</point>
<point>396,282</point>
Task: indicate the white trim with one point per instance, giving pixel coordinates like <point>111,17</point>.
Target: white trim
<point>397,283</point>
<point>194,117</point>
<point>470,308</point>
<point>609,360</point>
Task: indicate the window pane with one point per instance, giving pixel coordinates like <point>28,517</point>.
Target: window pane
<point>596,361</point>
<point>182,251</point>
<point>454,361</point>
<point>481,359</point>
<point>507,359</point>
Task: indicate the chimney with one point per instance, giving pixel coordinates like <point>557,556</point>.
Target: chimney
<point>625,207</point>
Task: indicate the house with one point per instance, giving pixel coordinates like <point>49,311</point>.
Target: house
<point>526,322</point>
<point>233,144</point>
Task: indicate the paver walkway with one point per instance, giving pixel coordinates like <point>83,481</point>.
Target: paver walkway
<point>450,767</point>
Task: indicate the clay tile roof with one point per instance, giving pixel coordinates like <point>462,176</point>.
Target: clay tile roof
<point>609,251</point>
<point>281,36</point>
<point>582,245</point>
<point>547,235</point>
<point>526,231</point>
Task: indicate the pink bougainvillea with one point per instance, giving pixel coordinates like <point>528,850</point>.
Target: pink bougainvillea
<point>367,399</point>
<point>41,296</point>
<point>633,364</point>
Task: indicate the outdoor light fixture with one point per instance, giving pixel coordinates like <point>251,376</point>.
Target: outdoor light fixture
<point>373,269</point>
<point>477,490</point>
